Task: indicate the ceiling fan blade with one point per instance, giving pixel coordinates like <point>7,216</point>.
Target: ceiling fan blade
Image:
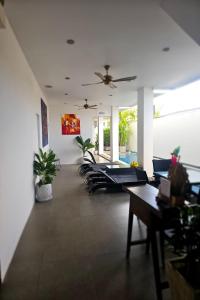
<point>77,105</point>
<point>125,79</point>
<point>87,84</point>
<point>101,76</point>
<point>91,106</point>
<point>111,85</point>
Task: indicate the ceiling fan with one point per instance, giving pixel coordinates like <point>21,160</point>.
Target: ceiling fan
<point>87,106</point>
<point>108,79</point>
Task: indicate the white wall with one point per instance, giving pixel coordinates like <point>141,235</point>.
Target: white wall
<point>19,102</point>
<point>64,145</point>
<point>133,137</point>
<point>178,129</point>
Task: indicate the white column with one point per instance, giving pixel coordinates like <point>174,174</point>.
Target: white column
<point>145,129</point>
<point>100,135</point>
<point>114,133</point>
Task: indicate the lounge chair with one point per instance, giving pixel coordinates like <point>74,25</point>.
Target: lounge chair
<point>92,165</point>
<point>114,179</point>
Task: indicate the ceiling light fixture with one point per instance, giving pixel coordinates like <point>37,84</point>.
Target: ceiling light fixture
<point>48,86</point>
<point>165,49</point>
<point>110,95</point>
<point>66,94</point>
<point>70,41</point>
<point>67,78</point>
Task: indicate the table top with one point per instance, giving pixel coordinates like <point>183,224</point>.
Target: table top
<point>146,193</point>
<point>193,175</point>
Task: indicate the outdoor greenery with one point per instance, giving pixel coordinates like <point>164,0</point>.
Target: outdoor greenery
<point>156,114</point>
<point>125,118</point>
<point>84,145</point>
<point>44,166</point>
<point>106,133</point>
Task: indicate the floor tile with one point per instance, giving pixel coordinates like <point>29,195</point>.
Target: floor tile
<point>74,247</point>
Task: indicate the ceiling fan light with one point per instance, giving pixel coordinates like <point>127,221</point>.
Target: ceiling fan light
<point>70,42</point>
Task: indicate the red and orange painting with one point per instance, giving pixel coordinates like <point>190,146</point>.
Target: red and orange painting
<point>70,124</point>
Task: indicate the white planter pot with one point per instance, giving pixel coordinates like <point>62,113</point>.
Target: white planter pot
<point>44,192</point>
<point>122,149</point>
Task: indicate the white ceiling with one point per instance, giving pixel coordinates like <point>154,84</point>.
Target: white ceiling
<point>129,35</point>
<point>186,14</point>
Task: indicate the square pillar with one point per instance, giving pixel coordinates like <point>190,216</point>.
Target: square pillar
<point>145,129</point>
<point>114,134</point>
<point>100,135</point>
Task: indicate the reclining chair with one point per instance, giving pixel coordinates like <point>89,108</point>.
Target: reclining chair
<point>113,180</point>
<point>92,165</point>
<point>160,165</point>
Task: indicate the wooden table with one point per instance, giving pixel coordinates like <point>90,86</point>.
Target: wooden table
<point>143,204</point>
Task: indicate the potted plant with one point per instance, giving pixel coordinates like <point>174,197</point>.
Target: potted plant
<point>45,170</point>
<point>184,272</point>
<point>84,145</point>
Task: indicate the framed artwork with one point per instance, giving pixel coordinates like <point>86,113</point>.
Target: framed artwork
<point>44,123</point>
<point>70,124</point>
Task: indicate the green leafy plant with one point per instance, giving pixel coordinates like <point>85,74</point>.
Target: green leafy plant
<point>106,133</point>
<point>44,166</point>
<point>84,145</point>
<point>125,117</point>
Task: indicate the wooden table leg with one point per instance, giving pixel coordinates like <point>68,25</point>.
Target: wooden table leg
<point>156,264</point>
<point>130,226</point>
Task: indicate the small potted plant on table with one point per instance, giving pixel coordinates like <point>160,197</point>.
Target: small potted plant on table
<point>45,169</point>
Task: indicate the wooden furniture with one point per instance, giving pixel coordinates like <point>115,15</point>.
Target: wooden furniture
<point>143,205</point>
<point>180,288</point>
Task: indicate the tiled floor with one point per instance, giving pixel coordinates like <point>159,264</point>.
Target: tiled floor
<point>73,247</point>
